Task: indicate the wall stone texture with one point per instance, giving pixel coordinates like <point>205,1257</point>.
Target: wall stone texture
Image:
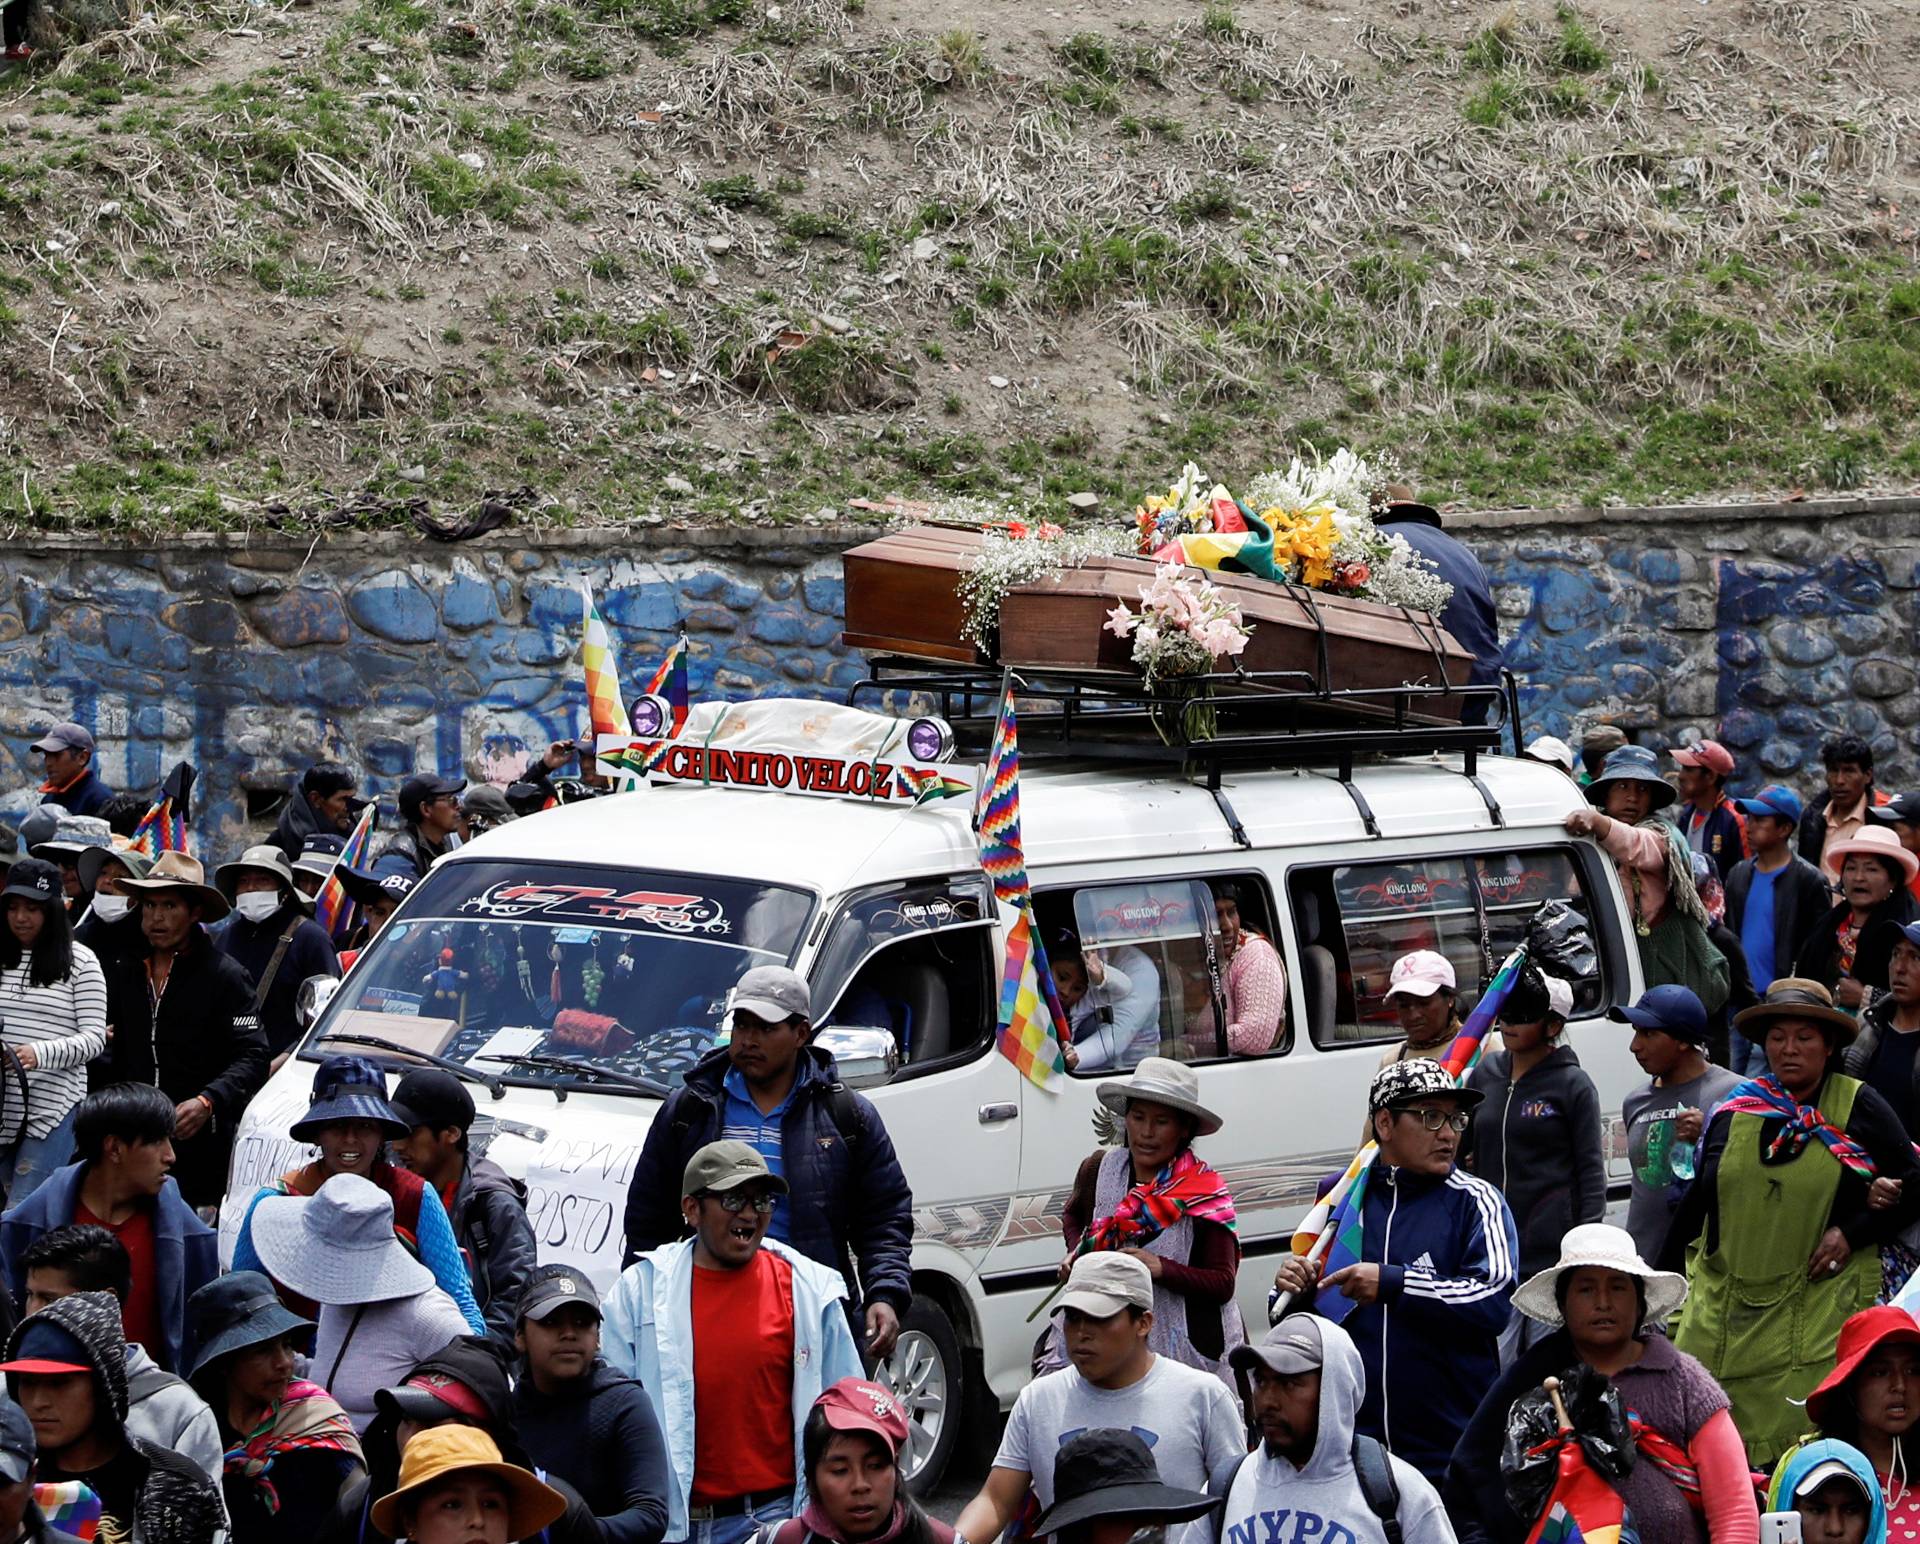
<point>1769,627</point>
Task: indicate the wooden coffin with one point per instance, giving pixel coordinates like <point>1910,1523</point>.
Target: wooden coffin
<point>901,598</point>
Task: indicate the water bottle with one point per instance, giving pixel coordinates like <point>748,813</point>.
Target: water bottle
<point>1682,1160</point>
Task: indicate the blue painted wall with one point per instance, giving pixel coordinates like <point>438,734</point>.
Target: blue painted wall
<point>255,661</point>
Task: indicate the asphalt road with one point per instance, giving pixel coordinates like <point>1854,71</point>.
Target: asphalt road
<point>964,1477</point>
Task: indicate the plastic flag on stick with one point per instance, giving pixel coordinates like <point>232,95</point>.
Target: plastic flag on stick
<point>605,710</point>
<point>670,681</point>
<point>332,909</point>
<point>164,826</point>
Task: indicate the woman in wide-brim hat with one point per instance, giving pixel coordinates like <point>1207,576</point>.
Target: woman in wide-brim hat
<point>456,1489</point>
<point>289,1446</point>
<point>1867,1401</point>
<point>1604,1306</point>
<point>380,1312</point>
<point>1195,1259</point>
<point>111,927</point>
<point>1848,950</point>
<point>1776,1234</point>
<point>1655,866</point>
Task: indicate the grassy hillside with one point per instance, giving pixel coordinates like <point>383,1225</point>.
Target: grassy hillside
<point>752,259</point>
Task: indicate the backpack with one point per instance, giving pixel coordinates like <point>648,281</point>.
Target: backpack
<point>1371,1466</point>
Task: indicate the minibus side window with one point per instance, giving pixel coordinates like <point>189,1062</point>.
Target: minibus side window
<point>1162,939</point>
<point>1471,909</point>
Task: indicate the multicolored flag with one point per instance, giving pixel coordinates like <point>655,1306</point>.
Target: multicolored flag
<point>332,908</point>
<point>1463,1055</point>
<point>1033,1025</point>
<point>927,785</point>
<point>164,826</point>
<point>1582,1508</point>
<point>605,710</point>
<point>670,681</point>
<point>1240,541</point>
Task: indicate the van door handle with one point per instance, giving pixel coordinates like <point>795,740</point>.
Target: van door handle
<point>993,1114</point>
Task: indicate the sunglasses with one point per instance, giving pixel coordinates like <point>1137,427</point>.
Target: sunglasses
<point>732,1201</point>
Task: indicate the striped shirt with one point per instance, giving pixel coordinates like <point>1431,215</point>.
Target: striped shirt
<point>742,1121</point>
<point>66,1024</point>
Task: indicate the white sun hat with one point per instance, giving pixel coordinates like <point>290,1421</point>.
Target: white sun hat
<point>1610,1248</point>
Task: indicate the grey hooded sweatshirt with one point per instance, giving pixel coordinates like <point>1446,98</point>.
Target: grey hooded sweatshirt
<point>1322,1500</point>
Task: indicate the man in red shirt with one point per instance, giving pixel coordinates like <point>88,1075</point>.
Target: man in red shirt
<point>123,1139</point>
<point>733,1336</point>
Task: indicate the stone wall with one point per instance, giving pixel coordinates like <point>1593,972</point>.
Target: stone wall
<point>1773,625</point>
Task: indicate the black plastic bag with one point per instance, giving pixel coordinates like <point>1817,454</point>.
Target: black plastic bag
<point>1560,942</point>
<point>1600,1426</point>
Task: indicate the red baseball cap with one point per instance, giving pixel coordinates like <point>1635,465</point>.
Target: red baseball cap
<point>855,1404</point>
<point>1711,754</point>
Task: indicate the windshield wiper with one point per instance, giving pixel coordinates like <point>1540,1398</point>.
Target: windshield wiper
<point>459,1069</point>
<point>612,1075</point>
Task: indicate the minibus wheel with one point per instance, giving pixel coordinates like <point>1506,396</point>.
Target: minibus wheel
<point>927,1373</point>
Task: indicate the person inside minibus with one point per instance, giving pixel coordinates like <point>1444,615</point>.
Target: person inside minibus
<point>1252,978</point>
<point>1112,1002</point>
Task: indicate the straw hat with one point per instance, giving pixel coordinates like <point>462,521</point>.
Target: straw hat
<point>1610,1248</point>
<point>1161,1080</point>
<point>176,871</point>
<point>446,1450</point>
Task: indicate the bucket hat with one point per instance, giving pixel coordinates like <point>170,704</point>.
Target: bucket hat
<point>337,1246</point>
<point>234,1311</point>
<point>265,859</point>
<point>348,1088</point>
<point>445,1450</point>
<point>1795,997</point>
<point>1161,1080</point>
<point>1860,1336</point>
<point>73,835</point>
<point>1872,842</point>
<point>1111,1473</point>
<point>1632,764</point>
<point>95,859</point>
<point>176,871</point>
<point>1611,1248</point>
<point>18,1447</point>
<point>1418,1077</point>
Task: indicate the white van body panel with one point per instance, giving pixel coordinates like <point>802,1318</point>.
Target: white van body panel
<point>988,1192</point>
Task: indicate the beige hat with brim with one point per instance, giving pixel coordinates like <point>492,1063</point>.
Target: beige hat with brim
<point>176,871</point>
<point>260,860</point>
<point>1161,1080</point>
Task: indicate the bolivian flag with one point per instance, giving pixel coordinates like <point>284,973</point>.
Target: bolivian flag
<point>1240,542</point>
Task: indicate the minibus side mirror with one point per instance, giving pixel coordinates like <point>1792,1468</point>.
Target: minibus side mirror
<point>866,1056</point>
<point>314,994</point>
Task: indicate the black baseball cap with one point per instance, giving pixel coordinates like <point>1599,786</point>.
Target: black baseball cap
<point>1902,809</point>
<point>429,1097</point>
<point>35,879</point>
<point>553,1287</point>
<point>416,791</point>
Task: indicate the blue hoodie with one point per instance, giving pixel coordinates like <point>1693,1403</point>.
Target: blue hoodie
<point>1800,1461</point>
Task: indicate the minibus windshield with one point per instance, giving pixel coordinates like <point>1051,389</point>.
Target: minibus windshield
<point>546,974</point>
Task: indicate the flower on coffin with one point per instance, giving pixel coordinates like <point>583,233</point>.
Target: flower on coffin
<point>1184,625</point>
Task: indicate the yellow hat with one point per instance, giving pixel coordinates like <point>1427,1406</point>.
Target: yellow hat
<point>443,1450</point>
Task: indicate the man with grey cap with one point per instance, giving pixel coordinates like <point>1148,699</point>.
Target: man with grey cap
<point>1115,1380</point>
<point>1305,1382</point>
<point>733,1335</point>
<point>850,1208</point>
<point>70,779</point>
<point>21,1521</point>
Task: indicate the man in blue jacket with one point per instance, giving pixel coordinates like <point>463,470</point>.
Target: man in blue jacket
<point>1470,615</point>
<point>849,1208</point>
<point>71,781</point>
<point>1427,1299</point>
<point>123,1137</point>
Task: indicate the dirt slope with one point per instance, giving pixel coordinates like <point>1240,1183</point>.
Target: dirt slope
<point>757,258</point>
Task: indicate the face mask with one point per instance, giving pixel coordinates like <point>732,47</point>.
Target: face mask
<point>257,905</point>
<point>111,908</point>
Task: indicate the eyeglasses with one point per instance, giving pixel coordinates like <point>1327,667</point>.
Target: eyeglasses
<point>733,1201</point>
<point>1434,1119</point>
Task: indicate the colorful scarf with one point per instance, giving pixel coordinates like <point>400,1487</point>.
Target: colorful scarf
<point>1671,1459</point>
<point>1764,1096</point>
<point>1186,1187</point>
<point>305,1419</point>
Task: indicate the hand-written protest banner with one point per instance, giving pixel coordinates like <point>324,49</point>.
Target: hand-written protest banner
<point>577,1203</point>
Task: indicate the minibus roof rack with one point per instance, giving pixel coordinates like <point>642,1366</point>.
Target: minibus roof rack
<point>1206,723</point>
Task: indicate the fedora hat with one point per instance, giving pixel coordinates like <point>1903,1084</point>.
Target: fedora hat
<point>1872,842</point>
<point>265,859</point>
<point>1795,997</point>
<point>1107,1472</point>
<point>1632,764</point>
<point>1161,1080</point>
<point>1610,1248</point>
<point>176,871</point>
<point>452,1449</point>
<point>337,1246</point>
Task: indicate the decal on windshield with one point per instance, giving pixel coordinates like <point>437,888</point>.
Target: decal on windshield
<point>668,911</point>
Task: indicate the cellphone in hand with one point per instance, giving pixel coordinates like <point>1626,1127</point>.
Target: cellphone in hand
<point>1780,1528</point>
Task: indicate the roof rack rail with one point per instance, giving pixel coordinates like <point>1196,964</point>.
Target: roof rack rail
<point>1272,718</point>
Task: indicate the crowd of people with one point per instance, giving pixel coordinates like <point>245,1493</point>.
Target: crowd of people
<point>386,1359</point>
